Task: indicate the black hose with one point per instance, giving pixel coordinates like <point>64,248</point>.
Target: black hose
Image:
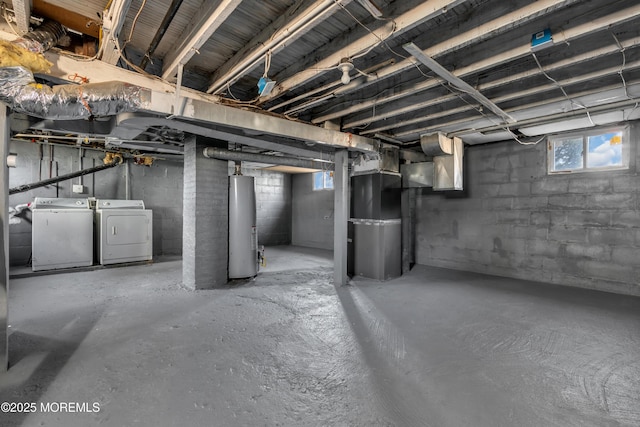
<point>27,187</point>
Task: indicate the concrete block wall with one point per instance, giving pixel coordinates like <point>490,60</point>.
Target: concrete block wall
<point>273,204</point>
<point>312,214</point>
<point>579,229</point>
<point>159,185</point>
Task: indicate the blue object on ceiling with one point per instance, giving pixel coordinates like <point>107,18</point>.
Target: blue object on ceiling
<point>541,39</point>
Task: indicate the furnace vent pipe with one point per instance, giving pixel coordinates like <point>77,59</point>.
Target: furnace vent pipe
<point>236,156</point>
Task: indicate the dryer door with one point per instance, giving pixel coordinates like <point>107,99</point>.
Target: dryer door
<point>126,235</point>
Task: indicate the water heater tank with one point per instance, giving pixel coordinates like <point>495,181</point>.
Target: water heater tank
<point>243,234</point>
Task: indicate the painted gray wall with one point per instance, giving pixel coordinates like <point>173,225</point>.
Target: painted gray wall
<point>273,203</point>
<point>159,185</point>
<point>580,229</point>
<point>312,214</point>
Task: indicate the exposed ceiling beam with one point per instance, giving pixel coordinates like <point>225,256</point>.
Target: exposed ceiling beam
<point>204,108</point>
<point>166,21</point>
<point>99,71</point>
<point>477,34</point>
<point>557,117</point>
<point>371,7</point>
<point>129,125</point>
<point>504,98</point>
<point>470,124</point>
<point>22,13</point>
<point>220,115</point>
<point>326,87</point>
<point>364,40</point>
<point>413,89</point>
<point>291,25</point>
<point>112,23</point>
<point>523,50</point>
<point>196,35</point>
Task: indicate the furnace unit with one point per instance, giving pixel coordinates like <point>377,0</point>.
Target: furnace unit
<point>62,233</point>
<point>124,231</point>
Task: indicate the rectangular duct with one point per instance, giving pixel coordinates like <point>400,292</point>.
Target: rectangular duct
<point>444,173</point>
<point>448,169</point>
<point>416,175</point>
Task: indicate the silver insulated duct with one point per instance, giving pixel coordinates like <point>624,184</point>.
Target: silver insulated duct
<point>68,102</point>
<point>19,90</point>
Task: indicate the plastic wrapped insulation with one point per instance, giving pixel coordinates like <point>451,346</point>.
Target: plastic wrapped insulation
<point>42,38</point>
<point>68,102</point>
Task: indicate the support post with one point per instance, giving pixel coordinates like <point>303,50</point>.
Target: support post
<point>4,233</point>
<point>408,245</point>
<point>205,230</point>
<point>341,217</point>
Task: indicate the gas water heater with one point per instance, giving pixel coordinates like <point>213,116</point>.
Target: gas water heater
<point>243,234</point>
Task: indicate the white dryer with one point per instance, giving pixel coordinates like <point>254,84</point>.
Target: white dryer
<point>124,231</point>
<point>62,233</point>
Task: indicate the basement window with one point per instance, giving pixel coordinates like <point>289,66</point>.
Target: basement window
<point>604,149</point>
<point>323,180</point>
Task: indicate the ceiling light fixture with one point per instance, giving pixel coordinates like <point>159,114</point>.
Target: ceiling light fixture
<point>371,7</point>
<point>345,66</point>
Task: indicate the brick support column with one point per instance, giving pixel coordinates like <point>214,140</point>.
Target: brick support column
<point>205,218</point>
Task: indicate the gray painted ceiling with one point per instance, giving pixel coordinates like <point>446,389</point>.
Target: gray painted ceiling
<point>590,70</point>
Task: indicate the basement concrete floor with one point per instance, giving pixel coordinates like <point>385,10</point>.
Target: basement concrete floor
<point>432,348</point>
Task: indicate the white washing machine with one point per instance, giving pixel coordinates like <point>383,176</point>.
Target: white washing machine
<point>62,233</point>
<point>124,231</point>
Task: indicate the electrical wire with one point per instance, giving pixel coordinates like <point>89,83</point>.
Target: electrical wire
<point>3,6</point>
<point>373,115</point>
<point>559,86</point>
<point>381,40</point>
<point>620,73</point>
<point>133,24</point>
<point>267,62</point>
<point>362,73</point>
